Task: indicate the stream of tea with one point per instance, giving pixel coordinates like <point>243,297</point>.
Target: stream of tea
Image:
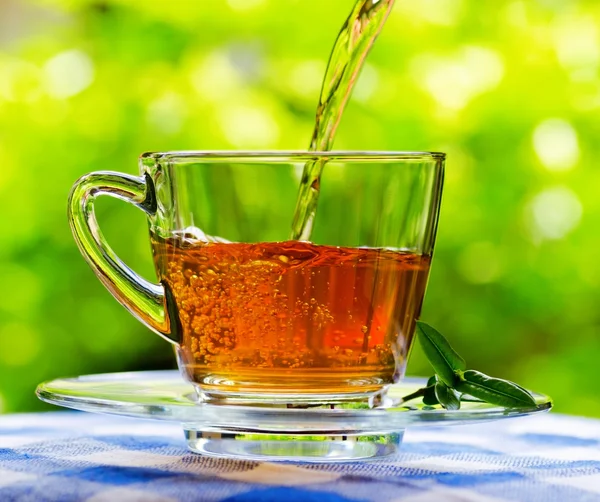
<point>348,55</point>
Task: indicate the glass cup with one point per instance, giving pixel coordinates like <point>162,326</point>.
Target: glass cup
<point>255,316</point>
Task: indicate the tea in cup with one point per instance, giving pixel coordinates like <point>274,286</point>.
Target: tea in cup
<point>254,315</point>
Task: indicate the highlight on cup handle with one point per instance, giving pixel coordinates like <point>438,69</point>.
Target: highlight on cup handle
<point>147,301</point>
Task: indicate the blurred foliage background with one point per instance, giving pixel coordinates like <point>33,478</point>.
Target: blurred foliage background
<point>510,89</point>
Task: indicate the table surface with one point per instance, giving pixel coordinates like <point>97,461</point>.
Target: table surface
<point>77,456</point>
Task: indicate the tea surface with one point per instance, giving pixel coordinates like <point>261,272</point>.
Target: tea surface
<point>292,316</point>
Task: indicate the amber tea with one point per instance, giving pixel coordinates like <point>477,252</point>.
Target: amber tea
<point>292,317</point>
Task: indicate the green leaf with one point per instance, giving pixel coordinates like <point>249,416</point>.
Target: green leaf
<point>429,397</point>
<point>442,357</point>
<point>494,390</point>
<point>447,397</point>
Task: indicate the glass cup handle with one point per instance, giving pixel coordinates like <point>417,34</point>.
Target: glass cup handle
<point>147,301</point>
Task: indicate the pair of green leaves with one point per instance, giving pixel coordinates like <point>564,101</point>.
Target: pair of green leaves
<point>453,380</point>
<point>437,392</point>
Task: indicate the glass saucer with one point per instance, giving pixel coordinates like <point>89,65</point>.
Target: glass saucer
<point>328,433</point>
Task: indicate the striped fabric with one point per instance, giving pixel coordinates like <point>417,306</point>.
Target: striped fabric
<point>69,456</point>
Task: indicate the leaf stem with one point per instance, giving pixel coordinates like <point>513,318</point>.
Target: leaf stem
<point>416,394</point>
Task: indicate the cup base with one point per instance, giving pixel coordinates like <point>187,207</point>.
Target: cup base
<point>299,448</point>
<point>218,390</point>
<point>290,400</point>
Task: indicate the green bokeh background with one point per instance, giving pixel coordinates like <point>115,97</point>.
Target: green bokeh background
<point>509,89</point>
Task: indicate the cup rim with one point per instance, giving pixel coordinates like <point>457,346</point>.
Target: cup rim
<point>299,154</point>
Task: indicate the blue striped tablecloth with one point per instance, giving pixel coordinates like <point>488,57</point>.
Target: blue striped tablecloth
<point>69,456</point>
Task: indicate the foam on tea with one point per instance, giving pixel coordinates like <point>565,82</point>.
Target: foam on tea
<point>292,317</point>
